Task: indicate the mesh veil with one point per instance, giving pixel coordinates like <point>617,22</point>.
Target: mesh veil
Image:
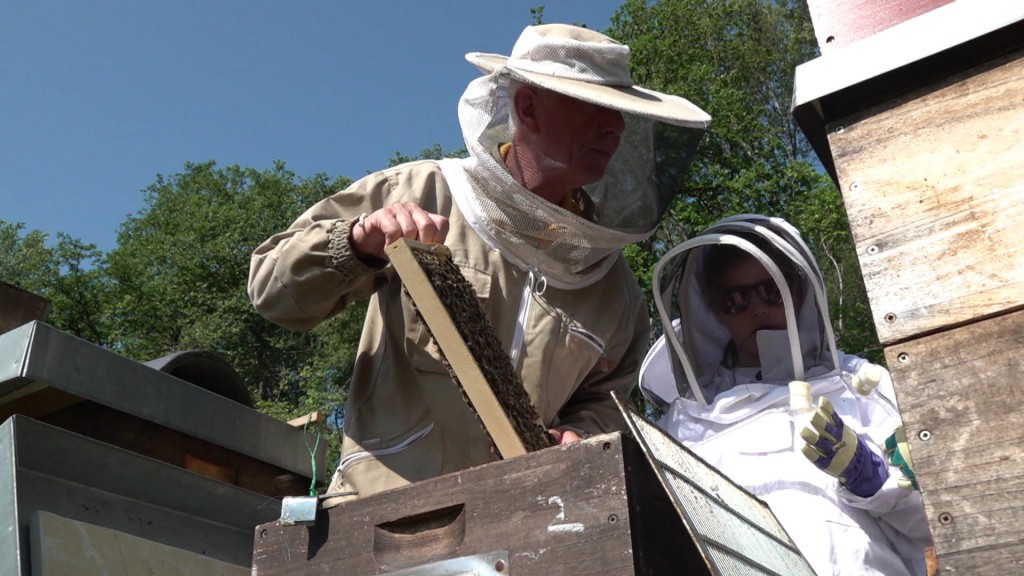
<point>695,338</point>
<point>534,234</point>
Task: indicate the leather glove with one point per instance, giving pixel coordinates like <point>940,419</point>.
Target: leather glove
<point>840,452</point>
<point>897,450</point>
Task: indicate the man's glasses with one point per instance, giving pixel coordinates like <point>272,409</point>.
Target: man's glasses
<point>736,299</point>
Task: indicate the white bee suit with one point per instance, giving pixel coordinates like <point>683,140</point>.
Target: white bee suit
<point>744,427</point>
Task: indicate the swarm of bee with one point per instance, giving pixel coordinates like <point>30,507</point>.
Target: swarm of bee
<point>459,299</point>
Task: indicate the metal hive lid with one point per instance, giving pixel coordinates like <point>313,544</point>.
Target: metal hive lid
<point>736,533</point>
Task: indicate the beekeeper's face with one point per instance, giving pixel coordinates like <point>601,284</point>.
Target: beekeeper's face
<point>747,300</point>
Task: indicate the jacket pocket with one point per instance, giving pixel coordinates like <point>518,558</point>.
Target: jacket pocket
<point>417,456</point>
<point>595,342</point>
<point>567,359</point>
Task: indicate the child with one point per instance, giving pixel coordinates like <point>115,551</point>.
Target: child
<point>744,314</point>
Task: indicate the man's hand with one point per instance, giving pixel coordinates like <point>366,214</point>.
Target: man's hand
<point>390,223</point>
<point>840,452</point>
<point>564,436</point>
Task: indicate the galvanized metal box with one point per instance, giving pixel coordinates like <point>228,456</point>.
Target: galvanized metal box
<point>59,474</point>
<point>153,466</point>
<point>65,381</point>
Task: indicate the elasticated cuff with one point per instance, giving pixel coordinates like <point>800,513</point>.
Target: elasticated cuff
<point>343,258</point>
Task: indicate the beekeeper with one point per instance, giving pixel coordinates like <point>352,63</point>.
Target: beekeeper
<point>561,174</point>
<point>749,377</point>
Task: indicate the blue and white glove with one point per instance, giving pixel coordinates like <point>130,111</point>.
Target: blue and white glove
<point>840,452</point>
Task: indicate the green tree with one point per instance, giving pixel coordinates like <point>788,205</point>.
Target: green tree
<point>434,152</point>
<point>69,274</point>
<point>736,59</point>
<point>178,281</point>
<point>25,260</point>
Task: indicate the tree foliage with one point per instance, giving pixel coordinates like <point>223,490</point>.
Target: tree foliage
<point>735,59</point>
<point>178,282</point>
<point>63,273</point>
<point>434,152</point>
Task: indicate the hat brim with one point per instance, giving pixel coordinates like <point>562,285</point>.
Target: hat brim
<point>629,99</point>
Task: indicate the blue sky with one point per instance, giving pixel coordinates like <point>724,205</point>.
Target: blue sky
<point>99,97</point>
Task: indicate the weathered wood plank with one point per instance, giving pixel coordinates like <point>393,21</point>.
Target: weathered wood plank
<point>960,394</point>
<point>125,431</point>
<point>563,510</point>
<point>18,306</point>
<point>933,185</point>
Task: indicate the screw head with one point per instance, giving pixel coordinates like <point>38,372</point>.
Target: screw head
<point>925,435</point>
<point>903,358</point>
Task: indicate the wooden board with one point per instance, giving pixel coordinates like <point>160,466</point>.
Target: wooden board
<point>933,184</point>
<point>592,508</point>
<point>167,445</point>
<point>18,306</point>
<point>960,394</point>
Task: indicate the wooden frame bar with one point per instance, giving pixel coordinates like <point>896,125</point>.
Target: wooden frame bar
<point>458,354</point>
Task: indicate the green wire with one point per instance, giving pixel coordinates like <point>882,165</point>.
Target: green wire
<point>312,454</point>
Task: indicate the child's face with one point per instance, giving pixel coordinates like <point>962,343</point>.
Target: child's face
<point>747,300</point>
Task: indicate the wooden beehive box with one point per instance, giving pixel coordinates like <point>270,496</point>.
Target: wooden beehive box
<point>565,510</point>
<point>596,507</point>
<point>921,127</point>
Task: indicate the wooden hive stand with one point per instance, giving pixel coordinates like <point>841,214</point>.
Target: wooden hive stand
<point>921,125</point>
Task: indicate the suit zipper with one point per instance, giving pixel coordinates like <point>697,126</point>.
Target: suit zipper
<point>363,454</point>
<point>535,283</point>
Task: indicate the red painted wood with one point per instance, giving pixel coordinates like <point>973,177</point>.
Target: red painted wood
<point>839,23</point>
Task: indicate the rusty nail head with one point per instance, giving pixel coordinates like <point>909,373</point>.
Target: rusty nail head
<point>925,435</point>
<point>890,317</point>
<point>499,566</point>
<point>606,446</point>
<point>903,357</point>
<point>945,518</point>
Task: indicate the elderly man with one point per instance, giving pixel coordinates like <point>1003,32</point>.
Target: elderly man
<point>562,174</point>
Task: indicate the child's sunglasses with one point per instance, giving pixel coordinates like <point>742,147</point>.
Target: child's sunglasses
<point>736,299</point>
